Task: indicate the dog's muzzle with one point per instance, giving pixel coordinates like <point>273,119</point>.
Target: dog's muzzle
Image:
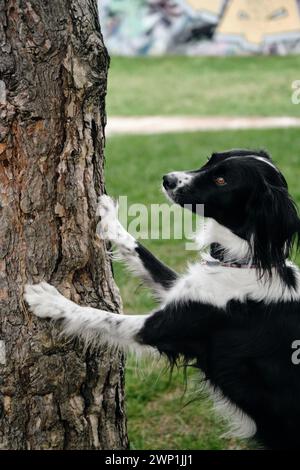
<point>176,179</point>
<point>170,181</point>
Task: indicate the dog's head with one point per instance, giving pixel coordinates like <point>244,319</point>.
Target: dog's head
<point>244,191</point>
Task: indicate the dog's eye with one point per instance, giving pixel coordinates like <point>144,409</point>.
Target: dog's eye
<point>220,181</point>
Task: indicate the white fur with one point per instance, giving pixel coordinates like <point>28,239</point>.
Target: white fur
<point>265,160</point>
<point>261,159</point>
<point>117,330</point>
<point>183,178</point>
<point>236,249</point>
<point>111,229</point>
<point>240,424</point>
<point>217,285</point>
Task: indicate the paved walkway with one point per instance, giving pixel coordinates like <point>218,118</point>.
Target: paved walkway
<point>168,124</point>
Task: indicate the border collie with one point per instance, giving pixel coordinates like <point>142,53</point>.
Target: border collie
<point>234,314</point>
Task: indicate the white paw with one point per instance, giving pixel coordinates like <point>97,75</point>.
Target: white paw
<point>109,227</point>
<point>46,302</point>
<point>107,207</point>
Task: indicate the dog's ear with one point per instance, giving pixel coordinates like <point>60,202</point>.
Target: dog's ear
<point>275,228</point>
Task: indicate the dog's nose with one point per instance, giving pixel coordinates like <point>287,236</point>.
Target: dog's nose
<point>170,181</point>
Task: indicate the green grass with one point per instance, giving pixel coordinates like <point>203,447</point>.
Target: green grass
<point>261,86</point>
<point>156,415</point>
<point>236,86</point>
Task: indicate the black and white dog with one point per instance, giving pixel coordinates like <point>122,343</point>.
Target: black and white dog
<point>236,313</point>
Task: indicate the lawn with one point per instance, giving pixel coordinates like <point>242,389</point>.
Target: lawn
<point>157,415</point>
<point>236,86</point>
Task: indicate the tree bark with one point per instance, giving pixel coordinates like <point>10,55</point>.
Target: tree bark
<point>53,71</point>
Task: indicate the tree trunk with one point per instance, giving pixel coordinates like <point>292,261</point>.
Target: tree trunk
<point>53,70</point>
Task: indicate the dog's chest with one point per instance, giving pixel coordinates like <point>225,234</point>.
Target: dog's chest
<point>217,285</point>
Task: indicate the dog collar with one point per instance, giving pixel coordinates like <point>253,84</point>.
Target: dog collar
<point>217,253</point>
<point>216,263</point>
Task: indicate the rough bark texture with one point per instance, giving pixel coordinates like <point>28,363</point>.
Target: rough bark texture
<point>53,70</point>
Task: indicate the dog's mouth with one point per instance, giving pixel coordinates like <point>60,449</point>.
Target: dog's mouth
<point>177,196</point>
<point>170,194</point>
<point>180,197</point>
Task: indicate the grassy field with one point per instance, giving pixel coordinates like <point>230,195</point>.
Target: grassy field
<point>237,86</point>
<point>157,415</point>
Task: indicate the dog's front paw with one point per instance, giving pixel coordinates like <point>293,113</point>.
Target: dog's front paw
<point>107,207</point>
<point>109,227</point>
<point>45,301</point>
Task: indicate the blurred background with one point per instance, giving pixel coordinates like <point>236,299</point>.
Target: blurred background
<point>187,78</point>
<point>201,27</point>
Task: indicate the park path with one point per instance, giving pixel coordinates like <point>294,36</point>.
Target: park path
<point>117,125</point>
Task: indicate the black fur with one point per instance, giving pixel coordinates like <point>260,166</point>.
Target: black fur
<point>159,273</point>
<point>255,204</point>
<point>246,352</point>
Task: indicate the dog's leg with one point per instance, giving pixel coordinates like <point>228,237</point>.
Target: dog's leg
<point>139,260</point>
<point>91,324</point>
<point>166,330</point>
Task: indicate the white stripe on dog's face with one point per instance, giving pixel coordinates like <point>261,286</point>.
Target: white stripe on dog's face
<point>176,179</point>
<point>183,178</point>
<point>264,160</point>
<point>261,159</point>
